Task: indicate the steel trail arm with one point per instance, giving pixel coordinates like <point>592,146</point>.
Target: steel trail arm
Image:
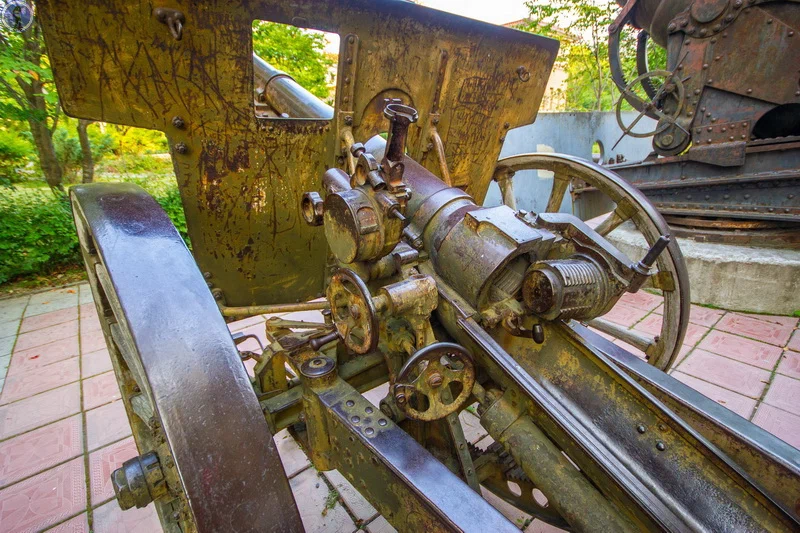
<point>661,472</point>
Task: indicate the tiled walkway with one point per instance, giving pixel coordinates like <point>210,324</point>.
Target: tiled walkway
<point>63,428</point>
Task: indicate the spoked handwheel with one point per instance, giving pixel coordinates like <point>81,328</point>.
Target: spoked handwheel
<point>207,457</point>
<point>671,277</point>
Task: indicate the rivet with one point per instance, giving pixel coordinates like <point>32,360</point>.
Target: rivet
<point>640,428</point>
<point>710,82</point>
<point>349,60</point>
<point>708,114</point>
<point>369,432</point>
<point>662,427</point>
<point>181,148</point>
<point>697,91</point>
<point>355,419</point>
<point>382,422</point>
<point>660,446</point>
<point>717,58</point>
<point>349,403</point>
<point>731,137</point>
<point>178,122</point>
<point>710,128</point>
<point>769,21</point>
<point>791,33</point>
<point>703,31</point>
<point>351,39</point>
<point>724,130</point>
<point>369,410</point>
<point>749,91</point>
<point>672,27</point>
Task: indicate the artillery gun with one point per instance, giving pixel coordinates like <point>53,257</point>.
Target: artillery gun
<point>727,139</point>
<point>293,205</point>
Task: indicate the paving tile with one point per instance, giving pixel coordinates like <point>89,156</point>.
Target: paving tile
<point>625,315</point>
<point>784,393</point>
<point>790,364</point>
<point>317,512</point>
<point>761,330</point>
<point>45,499</point>
<point>40,449</point>
<point>789,321</point>
<point>39,410</point>
<point>106,424</point>
<point>727,373</point>
<point>6,344</point>
<point>642,300</point>
<point>32,339</point>
<point>741,405</point>
<point>89,322</point>
<point>292,456</point>
<point>9,329</point>
<point>27,360</point>
<point>85,294</point>
<point>258,331</point>
<point>704,316</point>
<point>652,325</point>
<point>95,363</point>
<point>517,516</point>
<point>87,310</point>
<point>473,430</point>
<point>109,518</point>
<point>92,341</point>
<point>100,389</point>
<point>380,525</point>
<point>305,316</point>
<point>745,350</point>
<point>45,302</point>
<point>353,500</point>
<point>77,524</point>
<point>45,320</point>
<point>26,384</point>
<point>783,425</point>
<point>104,461</point>
<point>794,343</point>
<point>246,322</point>
<point>12,308</point>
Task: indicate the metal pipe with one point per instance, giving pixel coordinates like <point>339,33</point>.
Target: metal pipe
<point>252,310</point>
<point>278,90</point>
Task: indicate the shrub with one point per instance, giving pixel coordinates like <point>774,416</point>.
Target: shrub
<point>36,232</point>
<point>15,153</point>
<point>68,147</point>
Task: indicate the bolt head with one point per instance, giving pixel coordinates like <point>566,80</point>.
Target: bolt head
<point>435,380</point>
<point>181,148</point>
<point>178,122</point>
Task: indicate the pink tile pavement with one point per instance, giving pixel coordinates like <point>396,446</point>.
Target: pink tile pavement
<point>45,320</point>
<point>704,316</point>
<point>761,330</point>
<point>23,385</point>
<point>77,524</point>
<point>794,343</point>
<point>40,449</point>
<point>95,363</point>
<point>790,365</point>
<point>784,393</point>
<point>741,405</point>
<point>745,350</point>
<point>782,424</point>
<point>652,325</point>
<point>33,358</point>
<point>727,373</point>
<point>39,410</point>
<point>109,518</point>
<point>642,300</point>
<point>103,462</point>
<point>625,315</point>
<point>106,424</point>
<point>92,341</point>
<point>32,339</point>
<point>100,389</point>
<point>44,499</point>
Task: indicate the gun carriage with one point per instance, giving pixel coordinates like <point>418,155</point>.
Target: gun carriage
<point>726,146</point>
<point>294,205</point>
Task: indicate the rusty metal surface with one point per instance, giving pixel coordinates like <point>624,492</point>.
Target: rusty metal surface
<point>185,362</point>
<point>239,175</point>
<point>769,461</point>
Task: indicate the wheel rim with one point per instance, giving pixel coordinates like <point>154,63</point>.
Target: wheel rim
<point>630,204</point>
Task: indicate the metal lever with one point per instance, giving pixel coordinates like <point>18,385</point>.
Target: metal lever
<point>642,268</point>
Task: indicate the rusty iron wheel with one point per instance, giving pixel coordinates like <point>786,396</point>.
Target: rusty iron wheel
<point>671,277</point>
<point>182,382</point>
<point>353,311</point>
<point>435,382</point>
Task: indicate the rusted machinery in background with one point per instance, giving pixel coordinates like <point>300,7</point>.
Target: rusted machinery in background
<point>450,303</point>
<point>727,143</point>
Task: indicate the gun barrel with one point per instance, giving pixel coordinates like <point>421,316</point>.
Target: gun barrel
<point>654,16</point>
<point>284,95</point>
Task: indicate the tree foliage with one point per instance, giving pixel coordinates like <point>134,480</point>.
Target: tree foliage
<point>298,52</point>
<point>582,28</point>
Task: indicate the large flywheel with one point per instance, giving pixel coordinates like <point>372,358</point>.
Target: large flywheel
<point>670,276</point>
<point>207,458</point>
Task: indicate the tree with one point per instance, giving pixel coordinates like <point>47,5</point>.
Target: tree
<point>582,28</point>
<point>300,53</point>
<point>27,93</point>
<point>87,161</point>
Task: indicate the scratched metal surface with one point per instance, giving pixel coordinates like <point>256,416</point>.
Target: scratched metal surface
<point>242,178</point>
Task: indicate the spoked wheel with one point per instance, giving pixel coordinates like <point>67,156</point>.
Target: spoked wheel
<point>207,459</point>
<point>671,277</point>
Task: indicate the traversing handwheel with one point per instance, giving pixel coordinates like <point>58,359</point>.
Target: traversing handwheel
<point>353,311</point>
<point>435,382</point>
<point>670,277</point>
<point>670,89</point>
